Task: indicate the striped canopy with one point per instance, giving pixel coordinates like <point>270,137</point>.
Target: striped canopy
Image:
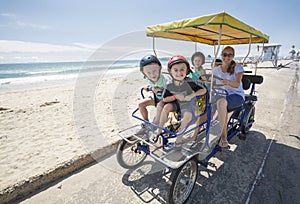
<point>206,29</point>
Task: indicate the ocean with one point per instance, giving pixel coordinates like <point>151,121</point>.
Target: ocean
<point>28,75</point>
<point>32,75</point>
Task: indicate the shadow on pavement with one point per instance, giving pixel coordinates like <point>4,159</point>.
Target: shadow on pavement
<point>230,176</point>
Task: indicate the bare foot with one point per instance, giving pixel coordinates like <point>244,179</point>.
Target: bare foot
<point>223,143</point>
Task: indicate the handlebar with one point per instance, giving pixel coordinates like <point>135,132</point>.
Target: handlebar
<point>208,79</point>
<point>149,88</point>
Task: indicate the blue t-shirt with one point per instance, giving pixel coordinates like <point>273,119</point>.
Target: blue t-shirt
<point>196,74</point>
<point>237,69</point>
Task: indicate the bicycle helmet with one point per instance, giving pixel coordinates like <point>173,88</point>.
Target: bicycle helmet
<point>178,59</point>
<point>198,54</point>
<point>148,59</point>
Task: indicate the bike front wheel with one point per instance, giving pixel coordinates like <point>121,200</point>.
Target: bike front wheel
<point>128,154</point>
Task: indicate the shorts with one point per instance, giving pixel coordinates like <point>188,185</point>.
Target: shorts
<point>155,99</point>
<point>181,107</point>
<point>234,101</point>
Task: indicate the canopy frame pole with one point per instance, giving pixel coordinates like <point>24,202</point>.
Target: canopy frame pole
<point>195,46</point>
<point>260,56</point>
<point>249,48</point>
<point>153,45</point>
<point>212,65</point>
<point>214,49</point>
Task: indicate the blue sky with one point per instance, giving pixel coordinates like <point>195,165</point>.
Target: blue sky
<point>60,30</point>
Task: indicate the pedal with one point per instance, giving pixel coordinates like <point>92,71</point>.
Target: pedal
<point>213,165</point>
<point>224,148</point>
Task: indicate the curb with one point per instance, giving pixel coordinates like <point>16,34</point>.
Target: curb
<point>25,187</point>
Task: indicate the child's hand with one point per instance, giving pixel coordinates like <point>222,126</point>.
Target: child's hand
<point>147,88</point>
<point>189,97</point>
<point>202,78</point>
<point>156,90</point>
<point>180,97</point>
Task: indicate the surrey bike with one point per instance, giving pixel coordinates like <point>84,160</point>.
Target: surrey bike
<point>217,29</point>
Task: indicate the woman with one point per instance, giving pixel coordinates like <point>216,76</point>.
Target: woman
<point>231,74</point>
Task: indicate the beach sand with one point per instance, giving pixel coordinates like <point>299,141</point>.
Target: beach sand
<point>41,129</point>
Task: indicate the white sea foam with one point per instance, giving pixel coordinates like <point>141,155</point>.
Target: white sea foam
<point>35,81</point>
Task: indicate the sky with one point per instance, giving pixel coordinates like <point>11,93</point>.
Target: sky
<point>71,30</point>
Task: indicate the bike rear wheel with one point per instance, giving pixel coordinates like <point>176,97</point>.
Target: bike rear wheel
<point>183,181</point>
<point>249,119</point>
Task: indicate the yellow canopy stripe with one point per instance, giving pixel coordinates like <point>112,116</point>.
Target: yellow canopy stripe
<point>206,29</point>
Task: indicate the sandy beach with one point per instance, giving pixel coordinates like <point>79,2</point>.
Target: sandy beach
<point>43,128</point>
<point>38,129</point>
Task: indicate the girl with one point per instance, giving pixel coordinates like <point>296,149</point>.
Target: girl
<point>198,59</point>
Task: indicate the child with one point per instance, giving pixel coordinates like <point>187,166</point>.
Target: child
<point>218,62</point>
<point>178,94</point>
<point>150,66</point>
<point>198,59</point>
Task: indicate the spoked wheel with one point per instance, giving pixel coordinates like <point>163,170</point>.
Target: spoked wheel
<point>129,156</point>
<point>249,119</point>
<point>183,181</point>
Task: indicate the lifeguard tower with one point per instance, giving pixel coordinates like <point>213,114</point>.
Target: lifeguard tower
<point>270,53</point>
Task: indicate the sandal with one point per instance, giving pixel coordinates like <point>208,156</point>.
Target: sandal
<point>223,143</point>
<point>153,138</point>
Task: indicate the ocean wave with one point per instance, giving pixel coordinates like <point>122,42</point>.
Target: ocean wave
<point>64,68</point>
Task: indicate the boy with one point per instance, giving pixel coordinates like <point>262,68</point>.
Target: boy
<point>178,94</point>
<point>150,66</point>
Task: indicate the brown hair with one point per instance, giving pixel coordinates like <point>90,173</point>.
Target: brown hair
<point>198,54</point>
<point>230,68</point>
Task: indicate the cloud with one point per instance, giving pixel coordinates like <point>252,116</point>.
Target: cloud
<point>24,52</point>
<point>89,46</point>
<point>15,19</point>
<point>31,25</point>
<point>9,46</point>
<point>24,58</point>
<point>8,15</point>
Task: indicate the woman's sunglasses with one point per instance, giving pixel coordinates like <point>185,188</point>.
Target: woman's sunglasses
<point>227,55</point>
